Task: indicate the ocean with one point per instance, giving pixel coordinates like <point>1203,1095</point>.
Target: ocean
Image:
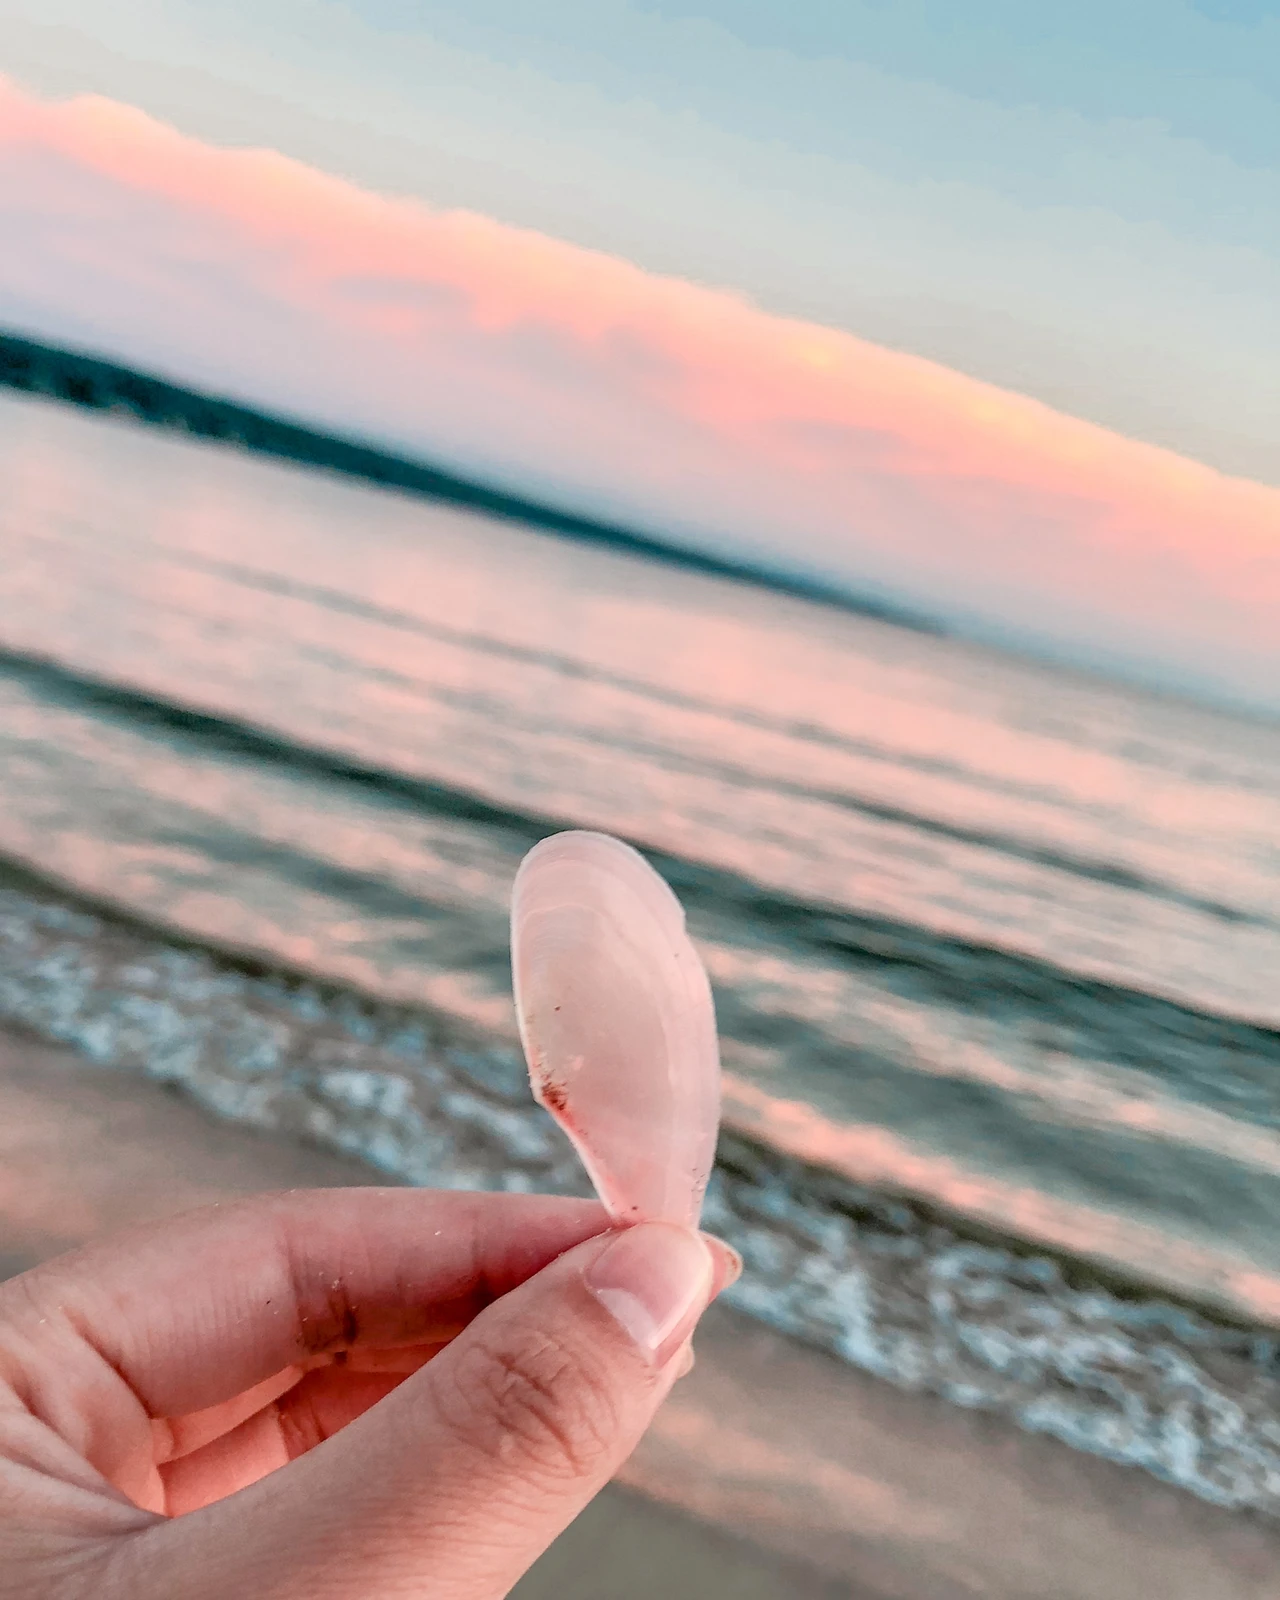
<point>994,944</point>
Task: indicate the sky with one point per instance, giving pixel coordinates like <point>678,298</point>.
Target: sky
<point>1079,202</point>
<point>974,308</point>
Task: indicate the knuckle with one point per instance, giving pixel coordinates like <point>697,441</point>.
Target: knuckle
<point>540,1408</point>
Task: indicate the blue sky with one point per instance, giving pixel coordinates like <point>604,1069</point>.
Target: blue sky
<point>1081,203</point>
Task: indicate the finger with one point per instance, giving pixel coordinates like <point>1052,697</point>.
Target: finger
<point>726,1263</point>
<point>319,1405</point>
<point>191,1312</point>
<point>187,1314</point>
<point>175,1437</point>
<point>279,1420</point>
<point>402,1362</point>
<point>297,1415</point>
<point>462,1475</point>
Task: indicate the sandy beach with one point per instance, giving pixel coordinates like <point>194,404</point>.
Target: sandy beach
<point>773,1471</point>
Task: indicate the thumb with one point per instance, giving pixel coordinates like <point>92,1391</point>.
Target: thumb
<point>453,1485</point>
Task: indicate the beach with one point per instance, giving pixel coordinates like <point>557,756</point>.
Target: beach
<point>992,945</point>
<point>773,1471</point>
<point>819,454</point>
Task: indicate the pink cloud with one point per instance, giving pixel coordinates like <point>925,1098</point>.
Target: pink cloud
<point>684,409</point>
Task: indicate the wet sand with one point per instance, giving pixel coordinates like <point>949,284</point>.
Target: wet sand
<point>774,1470</point>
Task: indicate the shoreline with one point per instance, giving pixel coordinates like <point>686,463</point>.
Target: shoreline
<point>774,1471</point>
<point>990,1326</point>
<point>844,1173</point>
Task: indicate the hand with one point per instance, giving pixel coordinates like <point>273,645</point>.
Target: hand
<point>360,1394</point>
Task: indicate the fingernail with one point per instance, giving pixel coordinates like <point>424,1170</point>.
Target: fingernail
<point>728,1263</point>
<point>654,1280</point>
<point>687,1360</point>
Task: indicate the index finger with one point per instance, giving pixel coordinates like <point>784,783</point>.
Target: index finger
<point>192,1311</point>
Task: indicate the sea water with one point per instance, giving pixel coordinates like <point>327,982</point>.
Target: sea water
<point>994,945</point>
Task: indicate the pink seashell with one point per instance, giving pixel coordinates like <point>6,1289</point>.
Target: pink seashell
<point>617,1022</point>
